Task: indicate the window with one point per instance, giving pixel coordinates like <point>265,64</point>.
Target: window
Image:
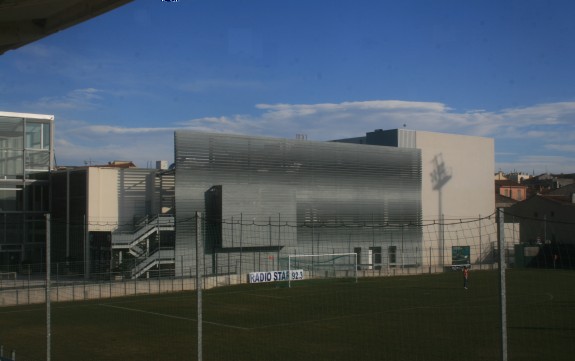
<point>34,136</point>
<point>37,136</point>
<point>392,255</point>
<point>11,198</point>
<point>37,146</point>
<point>46,136</point>
<point>376,257</point>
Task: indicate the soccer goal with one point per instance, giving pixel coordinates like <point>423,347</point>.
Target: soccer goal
<point>328,265</point>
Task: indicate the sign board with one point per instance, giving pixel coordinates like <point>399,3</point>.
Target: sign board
<point>460,255</point>
<point>275,276</point>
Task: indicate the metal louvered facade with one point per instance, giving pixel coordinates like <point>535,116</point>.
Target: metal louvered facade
<point>322,189</point>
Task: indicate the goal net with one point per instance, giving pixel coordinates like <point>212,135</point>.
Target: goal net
<point>328,265</point>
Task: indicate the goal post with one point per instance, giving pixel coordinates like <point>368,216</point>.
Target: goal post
<point>326,265</point>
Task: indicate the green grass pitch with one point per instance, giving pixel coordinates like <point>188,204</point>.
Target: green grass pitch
<point>424,317</point>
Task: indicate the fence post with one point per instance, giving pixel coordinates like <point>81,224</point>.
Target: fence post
<point>502,283</point>
<point>199,285</point>
<point>48,305</point>
<point>279,239</point>
<point>28,283</point>
<point>182,272</point>
<point>480,245</point>
<point>57,282</point>
<point>241,243</point>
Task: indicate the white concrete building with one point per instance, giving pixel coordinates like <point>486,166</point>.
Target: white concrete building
<point>456,184</point>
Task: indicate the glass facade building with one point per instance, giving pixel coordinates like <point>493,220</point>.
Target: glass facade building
<point>25,161</point>
<point>321,196</point>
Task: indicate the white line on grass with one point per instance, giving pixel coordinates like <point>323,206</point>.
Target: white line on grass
<point>176,317</point>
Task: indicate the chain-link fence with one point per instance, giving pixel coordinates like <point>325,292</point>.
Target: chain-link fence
<point>153,309</point>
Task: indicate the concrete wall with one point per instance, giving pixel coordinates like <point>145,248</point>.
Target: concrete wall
<point>468,193</point>
<point>102,198</point>
<point>118,196</point>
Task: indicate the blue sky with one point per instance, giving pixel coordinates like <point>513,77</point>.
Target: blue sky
<point>120,84</point>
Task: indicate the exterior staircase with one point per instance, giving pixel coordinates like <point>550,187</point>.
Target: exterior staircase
<point>160,256</point>
<point>135,243</point>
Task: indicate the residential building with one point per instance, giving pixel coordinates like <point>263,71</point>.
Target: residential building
<point>547,218</point>
<point>511,189</point>
<point>503,201</point>
<point>546,182</point>
<point>518,177</point>
<point>500,176</point>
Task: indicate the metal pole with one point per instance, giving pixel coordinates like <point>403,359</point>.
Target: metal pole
<point>402,258</point>
<point>48,305</point>
<point>241,240</point>
<point>372,233</point>
<point>199,286</point>
<point>544,228</point>
<point>232,239</point>
<point>57,283</point>
<point>159,242</point>
<point>289,270</point>
<point>502,284</point>
<point>480,247</point>
<point>279,238</point>
<point>68,218</point>
<point>355,268</point>
<point>312,242</point>
<point>430,250</point>
<point>442,241</point>
<point>86,249</point>
<point>28,285</point>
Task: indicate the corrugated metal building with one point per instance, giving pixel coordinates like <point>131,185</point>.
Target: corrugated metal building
<point>306,191</point>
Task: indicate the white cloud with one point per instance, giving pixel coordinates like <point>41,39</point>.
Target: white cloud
<point>348,119</point>
<point>76,99</point>
<point>530,138</point>
<point>567,148</point>
<point>111,129</point>
<point>77,142</point>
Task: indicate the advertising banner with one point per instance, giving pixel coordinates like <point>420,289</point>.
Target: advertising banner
<point>275,276</point>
